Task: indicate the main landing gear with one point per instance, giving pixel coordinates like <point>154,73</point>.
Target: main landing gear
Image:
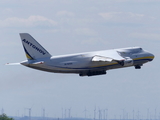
<point>93,73</point>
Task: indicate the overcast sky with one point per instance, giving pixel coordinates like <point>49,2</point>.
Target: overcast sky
<point>73,26</point>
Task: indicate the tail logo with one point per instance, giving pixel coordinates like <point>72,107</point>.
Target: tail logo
<point>33,46</point>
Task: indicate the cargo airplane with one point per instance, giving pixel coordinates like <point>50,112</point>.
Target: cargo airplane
<point>84,64</point>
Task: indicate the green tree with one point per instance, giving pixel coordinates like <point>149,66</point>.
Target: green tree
<point>5,117</point>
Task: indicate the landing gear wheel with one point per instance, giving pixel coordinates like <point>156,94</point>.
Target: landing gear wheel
<point>137,67</point>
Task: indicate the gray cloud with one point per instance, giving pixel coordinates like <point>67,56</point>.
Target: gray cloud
<point>126,17</point>
<point>146,36</point>
<point>65,13</point>
<point>31,21</point>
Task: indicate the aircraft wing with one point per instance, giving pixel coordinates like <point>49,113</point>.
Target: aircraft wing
<point>101,59</point>
<point>108,57</point>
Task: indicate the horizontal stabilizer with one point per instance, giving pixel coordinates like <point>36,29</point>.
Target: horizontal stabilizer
<point>12,64</point>
<point>36,63</point>
<point>32,63</point>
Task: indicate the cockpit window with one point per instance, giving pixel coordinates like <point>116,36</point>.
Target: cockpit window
<point>130,51</point>
<point>123,53</point>
<point>136,50</point>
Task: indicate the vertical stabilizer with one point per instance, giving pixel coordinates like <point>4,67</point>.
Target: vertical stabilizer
<point>32,48</point>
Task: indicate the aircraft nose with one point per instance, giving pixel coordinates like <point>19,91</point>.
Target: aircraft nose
<point>151,56</point>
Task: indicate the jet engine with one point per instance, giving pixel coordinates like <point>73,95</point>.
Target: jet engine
<point>126,62</point>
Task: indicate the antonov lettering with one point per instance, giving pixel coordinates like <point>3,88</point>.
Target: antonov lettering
<point>33,46</point>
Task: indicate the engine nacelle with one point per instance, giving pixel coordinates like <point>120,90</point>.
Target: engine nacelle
<point>127,62</point>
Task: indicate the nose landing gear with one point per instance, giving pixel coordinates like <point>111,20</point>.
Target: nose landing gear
<point>137,66</point>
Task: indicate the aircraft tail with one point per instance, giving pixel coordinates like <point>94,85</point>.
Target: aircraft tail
<point>32,48</point>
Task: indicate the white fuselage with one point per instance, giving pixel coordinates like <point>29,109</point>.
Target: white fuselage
<point>82,63</point>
